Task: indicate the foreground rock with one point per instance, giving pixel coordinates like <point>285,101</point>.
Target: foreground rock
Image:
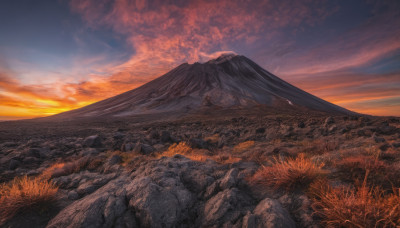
<point>173,192</point>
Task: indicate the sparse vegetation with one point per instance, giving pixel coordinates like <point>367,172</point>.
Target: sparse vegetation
<point>289,174</point>
<point>355,207</point>
<point>23,194</point>
<point>199,154</point>
<point>356,167</point>
<point>63,169</point>
<point>181,148</point>
<point>243,146</point>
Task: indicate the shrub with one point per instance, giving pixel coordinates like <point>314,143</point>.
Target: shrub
<point>23,194</point>
<point>289,174</point>
<point>359,207</point>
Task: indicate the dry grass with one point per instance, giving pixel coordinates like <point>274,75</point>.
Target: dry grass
<point>243,146</point>
<point>181,148</point>
<point>58,169</point>
<point>63,169</point>
<point>226,159</point>
<point>289,174</point>
<point>24,194</point>
<point>360,207</point>
<point>198,154</point>
<point>319,146</point>
<point>356,167</point>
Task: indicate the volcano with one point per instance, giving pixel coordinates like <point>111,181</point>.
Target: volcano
<point>229,81</point>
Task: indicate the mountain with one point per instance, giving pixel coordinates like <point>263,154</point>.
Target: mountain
<point>229,81</point>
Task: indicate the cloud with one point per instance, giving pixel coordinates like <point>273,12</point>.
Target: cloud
<point>162,34</point>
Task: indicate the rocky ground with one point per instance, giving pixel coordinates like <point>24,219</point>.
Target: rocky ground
<point>126,173</point>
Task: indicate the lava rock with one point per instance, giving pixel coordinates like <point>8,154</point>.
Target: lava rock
<point>115,159</point>
<point>153,135</point>
<point>166,137</point>
<point>126,147</point>
<point>14,164</point>
<point>301,125</point>
<point>329,120</point>
<point>73,195</point>
<point>260,130</point>
<point>118,135</point>
<point>197,143</point>
<point>143,148</point>
<point>271,214</point>
<point>92,141</point>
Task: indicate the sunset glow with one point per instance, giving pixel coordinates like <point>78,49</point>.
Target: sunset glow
<point>61,55</point>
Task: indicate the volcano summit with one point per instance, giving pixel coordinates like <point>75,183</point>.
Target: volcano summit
<point>229,81</point>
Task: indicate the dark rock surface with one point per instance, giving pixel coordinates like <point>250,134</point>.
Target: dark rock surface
<point>116,174</point>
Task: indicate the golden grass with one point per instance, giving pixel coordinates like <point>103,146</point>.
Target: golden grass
<point>289,174</point>
<point>360,207</point>
<point>23,194</point>
<point>63,169</point>
<point>197,154</point>
<point>182,148</point>
<point>243,146</point>
<point>57,170</point>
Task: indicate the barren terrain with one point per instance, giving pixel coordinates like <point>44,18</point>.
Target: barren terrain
<point>227,169</point>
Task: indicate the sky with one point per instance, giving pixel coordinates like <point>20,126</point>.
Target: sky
<point>58,55</point>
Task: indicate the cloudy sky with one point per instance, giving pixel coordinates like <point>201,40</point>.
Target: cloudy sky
<point>57,55</point>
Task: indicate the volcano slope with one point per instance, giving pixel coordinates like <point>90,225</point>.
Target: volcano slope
<point>226,82</point>
<point>264,163</point>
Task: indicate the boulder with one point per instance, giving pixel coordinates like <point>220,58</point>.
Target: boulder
<point>153,134</point>
<point>118,135</point>
<point>166,137</point>
<point>105,208</point>
<point>126,147</point>
<point>73,195</point>
<point>92,141</point>
<point>143,148</point>
<point>270,213</point>
<point>115,159</point>
<point>197,143</point>
<point>226,206</point>
<point>14,164</point>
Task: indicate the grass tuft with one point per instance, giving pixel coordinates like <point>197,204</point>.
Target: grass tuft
<point>23,194</point>
<point>182,148</point>
<point>289,174</point>
<point>355,207</point>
